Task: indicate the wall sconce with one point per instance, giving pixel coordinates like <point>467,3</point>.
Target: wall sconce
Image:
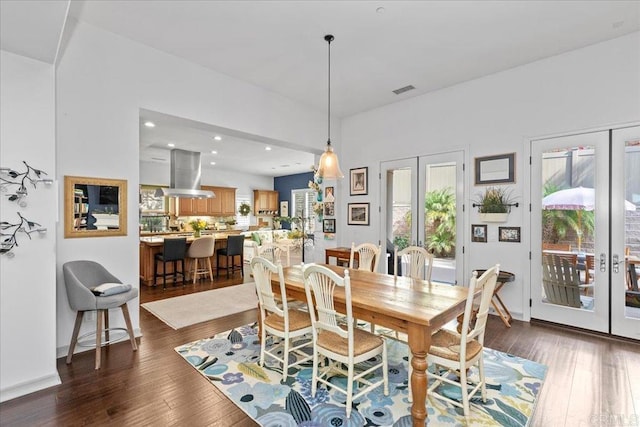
<point>9,233</point>
<point>20,180</point>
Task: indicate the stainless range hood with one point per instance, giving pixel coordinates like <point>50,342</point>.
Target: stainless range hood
<point>185,176</point>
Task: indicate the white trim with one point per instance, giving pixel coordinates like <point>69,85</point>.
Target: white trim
<point>28,387</point>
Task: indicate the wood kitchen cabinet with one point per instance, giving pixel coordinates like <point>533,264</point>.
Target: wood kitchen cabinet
<point>224,204</point>
<point>265,202</point>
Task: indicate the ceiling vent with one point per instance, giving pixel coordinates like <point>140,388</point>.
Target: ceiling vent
<point>403,89</point>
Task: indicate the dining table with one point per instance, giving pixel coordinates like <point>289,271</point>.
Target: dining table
<point>415,307</point>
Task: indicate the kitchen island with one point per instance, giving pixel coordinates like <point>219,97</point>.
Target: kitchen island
<point>152,244</point>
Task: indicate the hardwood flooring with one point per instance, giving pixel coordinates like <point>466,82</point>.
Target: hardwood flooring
<point>592,380</point>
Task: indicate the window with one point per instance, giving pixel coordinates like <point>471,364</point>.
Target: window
<point>303,201</point>
<point>242,221</point>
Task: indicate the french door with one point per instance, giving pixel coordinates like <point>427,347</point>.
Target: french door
<point>422,205</point>
<point>584,192</point>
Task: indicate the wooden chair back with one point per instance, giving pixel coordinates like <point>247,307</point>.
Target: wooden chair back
<point>561,281</point>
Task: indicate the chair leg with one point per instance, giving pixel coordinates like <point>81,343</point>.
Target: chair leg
<point>184,278</point>
<point>483,388</point>
<point>127,321</point>
<point>210,269</point>
<point>285,359</point>
<point>194,270</point>
<point>385,370</point>
<point>99,315</point>
<point>465,391</point>
<point>349,389</point>
<point>74,336</point>
<point>106,326</point>
<point>164,275</point>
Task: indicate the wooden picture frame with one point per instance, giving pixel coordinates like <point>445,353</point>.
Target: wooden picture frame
<point>479,233</point>
<point>358,214</point>
<point>328,225</point>
<point>359,181</point>
<point>94,207</point>
<point>329,194</point>
<point>329,209</point>
<point>509,234</point>
<point>500,169</point>
<point>284,208</point>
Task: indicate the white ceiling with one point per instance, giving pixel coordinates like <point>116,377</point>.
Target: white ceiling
<point>279,45</point>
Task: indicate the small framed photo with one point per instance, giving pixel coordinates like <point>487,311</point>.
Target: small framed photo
<point>499,169</point>
<point>479,233</point>
<point>329,209</point>
<point>358,214</point>
<point>509,234</point>
<point>284,208</point>
<point>328,194</point>
<point>328,225</point>
<point>358,179</point>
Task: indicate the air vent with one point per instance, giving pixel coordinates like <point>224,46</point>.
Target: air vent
<point>159,159</point>
<point>403,89</point>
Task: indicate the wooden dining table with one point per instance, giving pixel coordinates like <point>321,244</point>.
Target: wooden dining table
<point>415,307</point>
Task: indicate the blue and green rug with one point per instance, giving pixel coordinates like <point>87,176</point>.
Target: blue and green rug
<point>230,361</point>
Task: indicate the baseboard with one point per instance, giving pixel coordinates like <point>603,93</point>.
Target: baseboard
<point>64,350</point>
<point>29,387</point>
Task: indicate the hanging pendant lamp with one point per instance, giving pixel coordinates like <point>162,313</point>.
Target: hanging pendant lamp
<point>328,168</point>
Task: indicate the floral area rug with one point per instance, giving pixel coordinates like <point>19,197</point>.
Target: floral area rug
<point>230,361</point>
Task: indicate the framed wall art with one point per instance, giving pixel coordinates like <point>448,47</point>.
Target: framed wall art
<point>329,209</point>
<point>479,233</point>
<point>358,181</point>
<point>358,214</point>
<point>509,234</point>
<point>328,225</point>
<point>499,169</point>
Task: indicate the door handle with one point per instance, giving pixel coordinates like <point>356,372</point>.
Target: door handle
<point>603,262</point>
<point>616,264</point>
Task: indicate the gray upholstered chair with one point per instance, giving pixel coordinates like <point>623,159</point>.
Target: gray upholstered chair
<point>79,278</point>
<point>202,249</point>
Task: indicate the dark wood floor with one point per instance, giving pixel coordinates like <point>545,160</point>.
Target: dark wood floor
<point>590,378</point>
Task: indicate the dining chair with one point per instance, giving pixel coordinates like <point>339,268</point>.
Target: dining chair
<point>234,248</point>
<point>561,282</point>
<point>340,341</point>
<point>173,251</point>
<point>419,263</point>
<point>368,256</point>
<point>201,250</point>
<point>81,279</point>
<point>457,352</point>
<point>274,252</point>
<point>278,319</point>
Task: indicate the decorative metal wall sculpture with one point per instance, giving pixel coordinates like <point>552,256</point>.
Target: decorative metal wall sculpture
<point>10,231</point>
<point>20,180</point>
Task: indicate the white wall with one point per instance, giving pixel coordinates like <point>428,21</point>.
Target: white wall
<point>594,86</point>
<point>27,281</point>
<point>103,80</point>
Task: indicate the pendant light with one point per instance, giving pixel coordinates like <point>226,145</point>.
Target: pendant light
<point>328,167</point>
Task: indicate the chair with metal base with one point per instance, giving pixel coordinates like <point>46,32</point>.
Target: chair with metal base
<point>235,247</point>
<point>79,278</point>
<point>173,251</point>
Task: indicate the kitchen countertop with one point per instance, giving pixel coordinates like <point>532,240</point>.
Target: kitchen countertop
<point>158,238</point>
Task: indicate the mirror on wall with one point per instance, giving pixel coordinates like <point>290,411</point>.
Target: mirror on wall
<point>94,207</point>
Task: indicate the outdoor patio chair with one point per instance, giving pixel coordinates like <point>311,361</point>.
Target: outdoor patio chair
<point>561,283</point>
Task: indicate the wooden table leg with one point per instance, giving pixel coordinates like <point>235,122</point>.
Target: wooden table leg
<point>504,313</point>
<point>419,342</point>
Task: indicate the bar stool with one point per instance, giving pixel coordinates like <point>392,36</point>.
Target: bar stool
<point>173,250</point>
<point>201,249</point>
<point>235,247</point>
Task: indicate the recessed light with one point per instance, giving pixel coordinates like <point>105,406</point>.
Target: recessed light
<point>212,163</point>
<point>214,152</point>
<point>171,144</point>
<point>217,138</point>
<point>150,124</point>
<point>267,148</point>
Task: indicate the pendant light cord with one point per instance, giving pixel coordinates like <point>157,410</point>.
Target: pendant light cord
<point>329,39</point>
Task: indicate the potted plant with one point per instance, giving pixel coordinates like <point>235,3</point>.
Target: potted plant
<point>494,204</point>
<point>198,225</point>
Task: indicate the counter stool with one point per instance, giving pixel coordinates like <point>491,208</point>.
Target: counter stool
<point>201,249</point>
<point>173,250</point>
<point>235,247</point>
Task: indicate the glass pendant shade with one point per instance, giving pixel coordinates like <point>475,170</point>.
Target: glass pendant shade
<point>328,167</point>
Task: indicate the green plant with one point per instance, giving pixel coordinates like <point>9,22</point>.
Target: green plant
<point>244,209</point>
<point>495,200</point>
<point>198,224</point>
<point>440,213</point>
<point>556,223</point>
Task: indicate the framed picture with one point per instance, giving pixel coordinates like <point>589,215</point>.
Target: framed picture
<point>496,169</point>
<point>479,233</point>
<point>328,194</point>
<point>358,179</point>
<point>358,214</point>
<point>328,225</point>
<point>284,208</point>
<point>329,209</point>
<point>509,234</point>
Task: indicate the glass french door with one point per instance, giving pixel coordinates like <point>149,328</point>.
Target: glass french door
<point>583,202</point>
<point>422,205</point>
